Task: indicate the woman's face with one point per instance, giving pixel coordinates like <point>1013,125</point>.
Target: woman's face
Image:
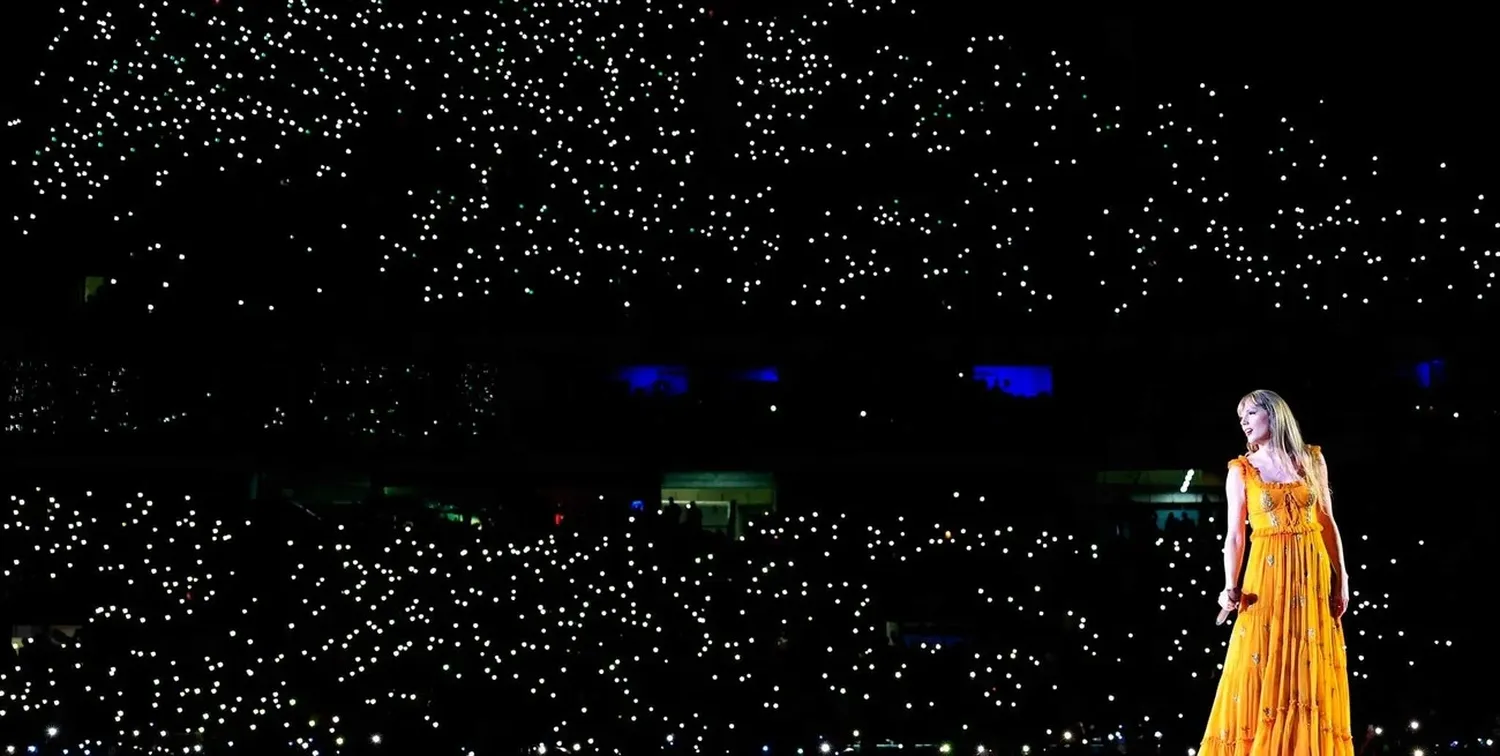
<point>1255,424</point>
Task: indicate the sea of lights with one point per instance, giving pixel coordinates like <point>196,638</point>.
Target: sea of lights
<point>215,625</point>
<point>832,160</point>
<point>475,400</point>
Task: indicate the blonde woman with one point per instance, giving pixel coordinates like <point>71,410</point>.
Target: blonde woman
<point>1285,689</point>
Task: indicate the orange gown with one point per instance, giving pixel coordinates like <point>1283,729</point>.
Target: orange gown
<point>1285,688</point>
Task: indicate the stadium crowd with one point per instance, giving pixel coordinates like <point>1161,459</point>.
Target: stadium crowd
<point>570,168</point>
<point>162,621</point>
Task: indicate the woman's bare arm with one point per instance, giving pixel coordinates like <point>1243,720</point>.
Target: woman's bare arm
<point>1332,540</point>
<point>1234,534</point>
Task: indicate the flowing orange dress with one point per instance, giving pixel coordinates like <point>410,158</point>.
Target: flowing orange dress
<point>1285,687</point>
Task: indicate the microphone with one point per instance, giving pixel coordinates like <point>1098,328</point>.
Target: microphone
<point>1224,613</point>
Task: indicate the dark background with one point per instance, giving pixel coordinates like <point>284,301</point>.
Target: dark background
<point>1147,389</point>
<point>1410,88</point>
<point>236,406</point>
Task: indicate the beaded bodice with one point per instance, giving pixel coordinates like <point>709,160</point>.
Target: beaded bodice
<point>1279,508</point>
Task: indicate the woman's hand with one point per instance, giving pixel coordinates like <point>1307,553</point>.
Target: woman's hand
<point>1229,599</point>
<point>1338,601</point>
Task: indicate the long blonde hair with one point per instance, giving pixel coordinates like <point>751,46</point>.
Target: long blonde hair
<point>1286,441</point>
